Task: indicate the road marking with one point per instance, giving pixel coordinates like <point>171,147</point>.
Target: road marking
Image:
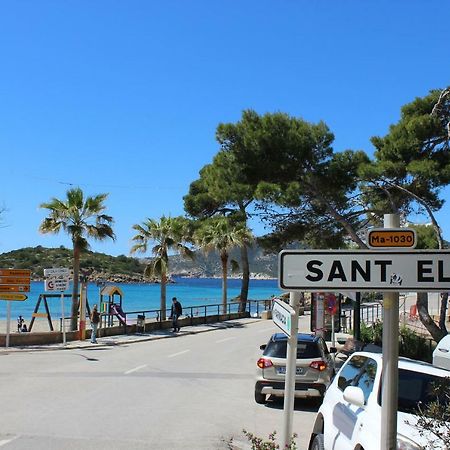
<point>178,354</point>
<point>225,340</point>
<point>7,441</point>
<point>135,369</point>
<point>266,330</point>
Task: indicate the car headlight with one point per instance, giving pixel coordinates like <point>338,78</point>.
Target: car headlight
<point>403,443</point>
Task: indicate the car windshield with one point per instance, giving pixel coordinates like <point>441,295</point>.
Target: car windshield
<point>416,388</point>
<point>305,350</point>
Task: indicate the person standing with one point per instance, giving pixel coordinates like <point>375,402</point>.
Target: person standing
<point>95,320</point>
<point>175,313</point>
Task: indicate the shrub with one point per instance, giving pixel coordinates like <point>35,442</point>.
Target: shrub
<point>411,345</point>
<point>259,444</point>
<point>414,346</point>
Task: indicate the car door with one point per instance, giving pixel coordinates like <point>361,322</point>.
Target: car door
<point>348,421</point>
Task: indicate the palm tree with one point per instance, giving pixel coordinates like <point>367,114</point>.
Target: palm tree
<point>220,234</point>
<point>170,233</point>
<point>80,218</point>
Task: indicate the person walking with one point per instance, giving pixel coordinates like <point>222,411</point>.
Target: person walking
<point>175,313</point>
<point>95,320</point>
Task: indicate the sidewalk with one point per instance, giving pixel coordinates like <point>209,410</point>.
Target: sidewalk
<point>122,339</point>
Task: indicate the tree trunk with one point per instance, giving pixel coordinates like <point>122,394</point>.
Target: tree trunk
<point>224,259</point>
<point>163,296</point>
<point>75,290</point>
<point>422,307</point>
<point>245,279</point>
<point>443,312</point>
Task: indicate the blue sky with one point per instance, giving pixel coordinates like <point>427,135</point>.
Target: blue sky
<point>124,97</point>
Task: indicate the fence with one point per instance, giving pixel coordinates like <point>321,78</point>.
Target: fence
<point>369,313</point>
<point>253,307</point>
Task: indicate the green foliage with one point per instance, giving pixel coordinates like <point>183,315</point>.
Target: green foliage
<point>411,345</point>
<point>413,159</point>
<point>372,334</point>
<point>169,233</point>
<point>426,237</point>
<point>39,258</point>
<point>79,216</point>
<point>414,346</point>
<point>260,444</point>
<point>305,192</point>
<point>434,416</point>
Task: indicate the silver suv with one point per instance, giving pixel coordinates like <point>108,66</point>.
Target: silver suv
<point>315,367</point>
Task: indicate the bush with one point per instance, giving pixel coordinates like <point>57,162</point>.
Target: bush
<point>414,346</point>
<point>259,444</point>
<point>411,345</point>
<point>372,334</point>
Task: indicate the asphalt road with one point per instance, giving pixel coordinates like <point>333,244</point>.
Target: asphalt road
<point>187,392</point>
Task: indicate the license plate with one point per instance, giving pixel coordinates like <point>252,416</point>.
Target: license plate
<point>282,370</point>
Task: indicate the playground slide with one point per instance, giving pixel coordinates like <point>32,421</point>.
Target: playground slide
<point>118,312</point>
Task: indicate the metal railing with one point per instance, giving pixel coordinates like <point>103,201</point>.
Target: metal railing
<point>253,307</point>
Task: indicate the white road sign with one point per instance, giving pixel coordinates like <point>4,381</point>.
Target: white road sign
<point>55,284</point>
<point>364,270</point>
<point>56,272</point>
<point>282,315</point>
<point>57,279</point>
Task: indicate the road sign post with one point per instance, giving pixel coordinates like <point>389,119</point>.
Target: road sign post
<point>389,392</point>
<point>13,281</point>
<point>8,322</point>
<point>282,315</point>
<point>82,331</point>
<point>364,270</point>
<point>389,271</point>
<point>57,279</point>
<point>291,366</point>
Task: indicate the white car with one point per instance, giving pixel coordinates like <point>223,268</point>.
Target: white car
<point>350,415</point>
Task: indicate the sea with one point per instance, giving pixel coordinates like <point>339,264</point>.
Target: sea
<point>191,292</point>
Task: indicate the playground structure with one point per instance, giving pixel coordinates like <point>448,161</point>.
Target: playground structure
<point>112,306</point>
<point>111,298</point>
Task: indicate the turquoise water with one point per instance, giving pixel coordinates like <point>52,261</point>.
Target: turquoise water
<point>139,297</point>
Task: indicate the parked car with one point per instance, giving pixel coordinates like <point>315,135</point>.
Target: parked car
<point>314,371</point>
<point>350,415</point>
<point>441,354</point>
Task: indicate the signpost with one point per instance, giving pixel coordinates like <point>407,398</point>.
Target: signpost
<point>365,270</point>
<point>13,297</point>
<point>286,318</point>
<point>282,315</point>
<point>57,279</point>
<point>390,271</point>
<point>331,305</point>
<point>11,281</point>
<point>391,238</point>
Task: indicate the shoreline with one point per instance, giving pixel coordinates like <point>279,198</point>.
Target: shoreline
<point>172,279</point>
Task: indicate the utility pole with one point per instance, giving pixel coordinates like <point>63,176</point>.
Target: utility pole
<point>291,367</point>
<point>389,394</point>
<point>83,293</point>
<point>357,317</point>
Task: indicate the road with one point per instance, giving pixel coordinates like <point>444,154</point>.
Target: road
<point>187,392</point>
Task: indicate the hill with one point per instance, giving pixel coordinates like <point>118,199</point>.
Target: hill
<point>127,269</point>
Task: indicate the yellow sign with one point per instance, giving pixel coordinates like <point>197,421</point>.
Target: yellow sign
<point>14,288</point>
<point>13,297</point>
<point>391,238</point>
<point>15,273</point>
<point>44,315</point>
<point>14,280</point>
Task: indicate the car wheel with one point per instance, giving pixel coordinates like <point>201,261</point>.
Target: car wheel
<point>317,443</point>
<point>259,397</point>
